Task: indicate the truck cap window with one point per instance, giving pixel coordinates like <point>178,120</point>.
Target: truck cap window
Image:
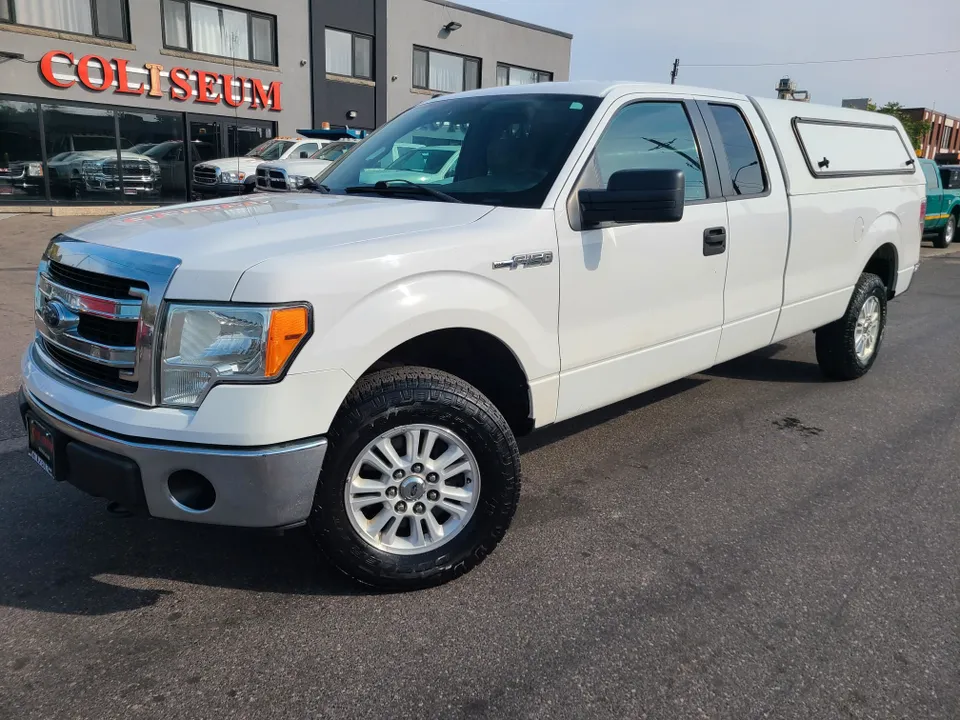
<point>845,149</point>
<point>488,150</point>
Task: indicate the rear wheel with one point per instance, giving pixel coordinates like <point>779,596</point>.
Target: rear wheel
<point>420,482</point>
<point>847,348</point>
<point>947,233</point>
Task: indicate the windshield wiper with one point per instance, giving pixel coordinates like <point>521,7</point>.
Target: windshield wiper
<point>382,187</point>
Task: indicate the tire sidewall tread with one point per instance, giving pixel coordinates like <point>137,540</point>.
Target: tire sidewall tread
<point>835,345</point>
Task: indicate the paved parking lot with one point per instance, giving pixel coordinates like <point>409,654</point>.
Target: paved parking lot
<point>751,542</point>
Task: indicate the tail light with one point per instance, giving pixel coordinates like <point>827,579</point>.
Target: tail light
<point>923,215</point>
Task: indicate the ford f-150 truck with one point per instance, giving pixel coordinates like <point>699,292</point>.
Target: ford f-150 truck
<point>360,359</point>
<point>943,202</point>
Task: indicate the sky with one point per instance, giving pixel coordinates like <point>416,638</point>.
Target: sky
<point>639,39</point>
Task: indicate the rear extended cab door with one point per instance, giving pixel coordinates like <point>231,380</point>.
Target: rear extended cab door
<point>758,230</point>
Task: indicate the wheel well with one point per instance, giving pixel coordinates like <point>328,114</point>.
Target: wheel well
<point>883,263</point>
<point>476,357</point>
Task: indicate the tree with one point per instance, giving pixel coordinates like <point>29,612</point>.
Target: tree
<point>916,129</point>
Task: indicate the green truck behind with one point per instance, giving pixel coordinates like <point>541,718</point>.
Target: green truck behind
<point>943,201</point>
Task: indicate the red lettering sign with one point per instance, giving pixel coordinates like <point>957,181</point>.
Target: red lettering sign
<point>181,83</point>
<point>257,94</point>
<point>83,72</point>
<point>46,68</point>
<point>123,86</point>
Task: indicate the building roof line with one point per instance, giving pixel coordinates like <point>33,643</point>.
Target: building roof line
<point>503,18</point>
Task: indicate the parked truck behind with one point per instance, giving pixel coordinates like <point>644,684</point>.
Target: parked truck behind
<point>362,358</point>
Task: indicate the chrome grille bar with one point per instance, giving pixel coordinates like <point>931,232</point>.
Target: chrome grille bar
<point>89,304</point>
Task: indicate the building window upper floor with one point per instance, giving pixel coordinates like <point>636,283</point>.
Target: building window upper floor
<point>513,75</point>
<point>220,30</point>
<point>349,54</point>
<point>444,72</point>
<point>99,18</point>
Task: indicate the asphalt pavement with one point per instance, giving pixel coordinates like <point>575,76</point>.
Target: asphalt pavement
<point>750,542</point>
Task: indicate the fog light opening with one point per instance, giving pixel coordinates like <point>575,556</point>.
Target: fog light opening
<point>191,491</point>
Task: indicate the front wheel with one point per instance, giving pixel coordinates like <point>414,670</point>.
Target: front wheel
<point>946,235</point>
<point>848,347</point>
<point>420,481</point>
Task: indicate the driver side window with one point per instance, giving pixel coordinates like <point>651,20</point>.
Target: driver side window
<point>651,136</point>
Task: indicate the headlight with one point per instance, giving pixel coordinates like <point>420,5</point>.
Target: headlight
<point>297,181</point>
<point>91,166</point>
<point>35,169</point>
<point>232,177</point>
<point>207,345</point>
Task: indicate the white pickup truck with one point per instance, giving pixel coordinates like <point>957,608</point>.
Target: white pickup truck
<point>360,359</point>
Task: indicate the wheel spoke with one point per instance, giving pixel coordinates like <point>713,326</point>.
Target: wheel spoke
<point>365,485</point>
<point>456,493</point>
<point>416,533</point>
<point>390,453</point>
<point>413,446</point>
<point>453,508</point>
<point>389,536</point>
<point>450,456</point>
<point>456,469</point>
<point>358,503</point>
<point>428,444</point>
<point>375,462</point>
<point>379,522</point>
<point>860,345</point>
<point>433,526</point>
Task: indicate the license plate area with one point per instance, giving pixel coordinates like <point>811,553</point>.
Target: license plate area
<point>42,445</point>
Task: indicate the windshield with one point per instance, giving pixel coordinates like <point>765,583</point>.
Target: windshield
<point>159,151</point>
<point>331,152</point>
<point>271,149</point>
<point>504,149</point>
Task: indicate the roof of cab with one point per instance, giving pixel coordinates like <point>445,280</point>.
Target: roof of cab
<point>600,89</point>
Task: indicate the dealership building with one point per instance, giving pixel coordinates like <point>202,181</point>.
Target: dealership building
<point>125,88</point>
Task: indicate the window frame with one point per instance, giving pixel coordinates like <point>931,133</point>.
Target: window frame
<point>710,168</point>
<point>720,151</point>
<point>250,14</point>
<point>463,78</point>
<point>94,21</point>
<point>818,174</point>
<point>353,53</point>
<point>510,67</point>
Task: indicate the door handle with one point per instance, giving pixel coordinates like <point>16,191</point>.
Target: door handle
<point>714,241</point>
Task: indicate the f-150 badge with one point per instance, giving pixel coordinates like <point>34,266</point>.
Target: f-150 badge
<point>536,259</point>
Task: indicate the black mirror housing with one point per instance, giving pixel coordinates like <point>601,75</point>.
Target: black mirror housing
<point>634,197</point>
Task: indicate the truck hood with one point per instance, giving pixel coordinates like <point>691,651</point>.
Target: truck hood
<point>234,164</point>
<point>216,241</point>
<point>298,167</point>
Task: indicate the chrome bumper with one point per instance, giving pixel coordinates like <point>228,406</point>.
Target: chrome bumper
<point>266,487</point>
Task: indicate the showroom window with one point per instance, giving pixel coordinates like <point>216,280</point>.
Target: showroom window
<point>219,30</point>
<point>102,18</point>
<point>512,75</point>
<point>21,154</point>
<point>349,54</point>
<point>444,72</point>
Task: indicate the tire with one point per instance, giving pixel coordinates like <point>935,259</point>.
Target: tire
<point>837,342</point>
<point>947,233</point>
<point>408,400</point>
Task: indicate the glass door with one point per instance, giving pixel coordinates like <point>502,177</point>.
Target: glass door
<point>243,136</point>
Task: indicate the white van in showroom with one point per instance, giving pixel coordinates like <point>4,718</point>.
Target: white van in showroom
<point>360,359</point>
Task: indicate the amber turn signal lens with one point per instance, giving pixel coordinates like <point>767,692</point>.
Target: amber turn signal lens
<point>288,328</point>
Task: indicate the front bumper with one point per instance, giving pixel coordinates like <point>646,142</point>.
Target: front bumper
<point>264,487</point>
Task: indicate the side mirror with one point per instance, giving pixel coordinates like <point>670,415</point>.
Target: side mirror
<point>304,154</point>
<point>308,184</point>
<point>634,197</point>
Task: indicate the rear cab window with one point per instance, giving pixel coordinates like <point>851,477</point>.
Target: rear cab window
<point>930,172</point>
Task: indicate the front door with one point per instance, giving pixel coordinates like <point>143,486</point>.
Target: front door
<point>642,305</point>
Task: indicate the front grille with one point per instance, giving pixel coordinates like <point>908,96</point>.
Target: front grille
<point>129,167</point>
<point>205,175</point>
<point>90,282</point>
<point>118,333</point>
<point>270,179</point>
<point>88,369</point>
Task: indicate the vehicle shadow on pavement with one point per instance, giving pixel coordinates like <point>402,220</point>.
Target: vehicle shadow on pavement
<point>764,366</point>
<point>62,552</point>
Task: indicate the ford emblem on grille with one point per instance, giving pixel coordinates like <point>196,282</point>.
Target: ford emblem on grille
<point>58,316</point>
